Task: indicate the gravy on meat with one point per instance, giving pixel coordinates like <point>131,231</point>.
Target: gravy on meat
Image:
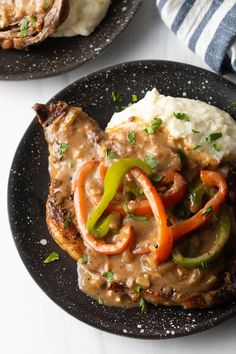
<point>173,281</point>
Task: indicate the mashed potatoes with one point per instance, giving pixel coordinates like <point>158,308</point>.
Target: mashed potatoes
<point>84,17</point>
<point>200,129</point>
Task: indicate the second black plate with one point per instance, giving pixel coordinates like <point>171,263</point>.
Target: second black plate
<point>28,189</point>
<point>58,55</point>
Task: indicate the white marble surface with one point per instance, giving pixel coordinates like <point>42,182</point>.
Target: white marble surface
<point>29,321</point>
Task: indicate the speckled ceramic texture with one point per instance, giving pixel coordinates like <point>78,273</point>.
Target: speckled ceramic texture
<point>28,188</point>
<point>58,55</point>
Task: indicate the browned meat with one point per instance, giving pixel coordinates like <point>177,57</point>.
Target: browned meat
<point>23,23</point>
<point>63,229</point>
<point>64,126</point>
<point>74,138</point>
<point>224,291</point>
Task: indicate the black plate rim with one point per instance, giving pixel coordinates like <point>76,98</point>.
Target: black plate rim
<point>205,325</point>
<point>66,68</point>
<point>143,62</point>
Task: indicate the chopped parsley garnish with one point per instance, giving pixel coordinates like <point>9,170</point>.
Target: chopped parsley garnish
<point>24,28</point>
<point>54,256</point>
<point>156,178</point>
<point>143,305</point>
<point>138,217</point>
<point>207,211</point>
<point>213,137</point>
<point>197,147</point>
<point>67,223</point>
<point>62,148</point>
<point>137,191</point>
<point>134,189</point>
<point>109,276</point>
<point>128,105</point>
<point>137,288</point>
<point>100,301</point>
<point>83,259</point>
<point>156,123</point>
<point>182,116</point>
<point>126,208</point>
<point>150,161</point>
<point>134,98</point>
<point>131,137</point>
<point>205,265</point>
<point>116,97</point>
<point>217,146</point>
<point>134,217</point>
<point>33,21</point>
<point>195,131</point>
<point>111,155</point>
<point>233,105</point>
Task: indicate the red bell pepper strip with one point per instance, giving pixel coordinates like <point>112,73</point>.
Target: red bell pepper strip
<point>165,234</point>
<point>102,170</point>
<point>210,179</point>
<point>176,192</point>
<point>125,235</point>
<point>169,198</point>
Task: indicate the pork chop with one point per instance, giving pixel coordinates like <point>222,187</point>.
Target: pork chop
<point>64,127</point>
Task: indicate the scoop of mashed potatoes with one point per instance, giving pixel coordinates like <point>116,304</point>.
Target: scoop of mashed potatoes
<point>84,17</point>
<point>202,129</point>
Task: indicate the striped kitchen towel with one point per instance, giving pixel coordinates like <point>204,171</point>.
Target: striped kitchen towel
<point>207,27</point>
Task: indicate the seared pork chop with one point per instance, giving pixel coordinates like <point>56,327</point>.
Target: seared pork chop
<point>73,139</point>
<point>23,23</point>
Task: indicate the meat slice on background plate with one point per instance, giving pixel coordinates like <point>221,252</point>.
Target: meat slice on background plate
<point>24,23</point>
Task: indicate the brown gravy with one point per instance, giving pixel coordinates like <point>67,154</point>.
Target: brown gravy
<point>130,269</point>
<point>85,142</point>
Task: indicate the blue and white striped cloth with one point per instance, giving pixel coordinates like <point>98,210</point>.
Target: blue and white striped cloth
<point>207,27</point>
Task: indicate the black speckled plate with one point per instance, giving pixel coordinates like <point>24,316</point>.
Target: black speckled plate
<point>58,55</point>
<point>28,188</point>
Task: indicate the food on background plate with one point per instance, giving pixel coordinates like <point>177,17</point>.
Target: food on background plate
<point>146,207</point>
<point>24,23</point>
<point>84,17</point>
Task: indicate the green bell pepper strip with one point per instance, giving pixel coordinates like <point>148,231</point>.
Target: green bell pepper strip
<point>112,181</point>
<point>196,196</point>
<point>104,226</point>
<point>222,236</point>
